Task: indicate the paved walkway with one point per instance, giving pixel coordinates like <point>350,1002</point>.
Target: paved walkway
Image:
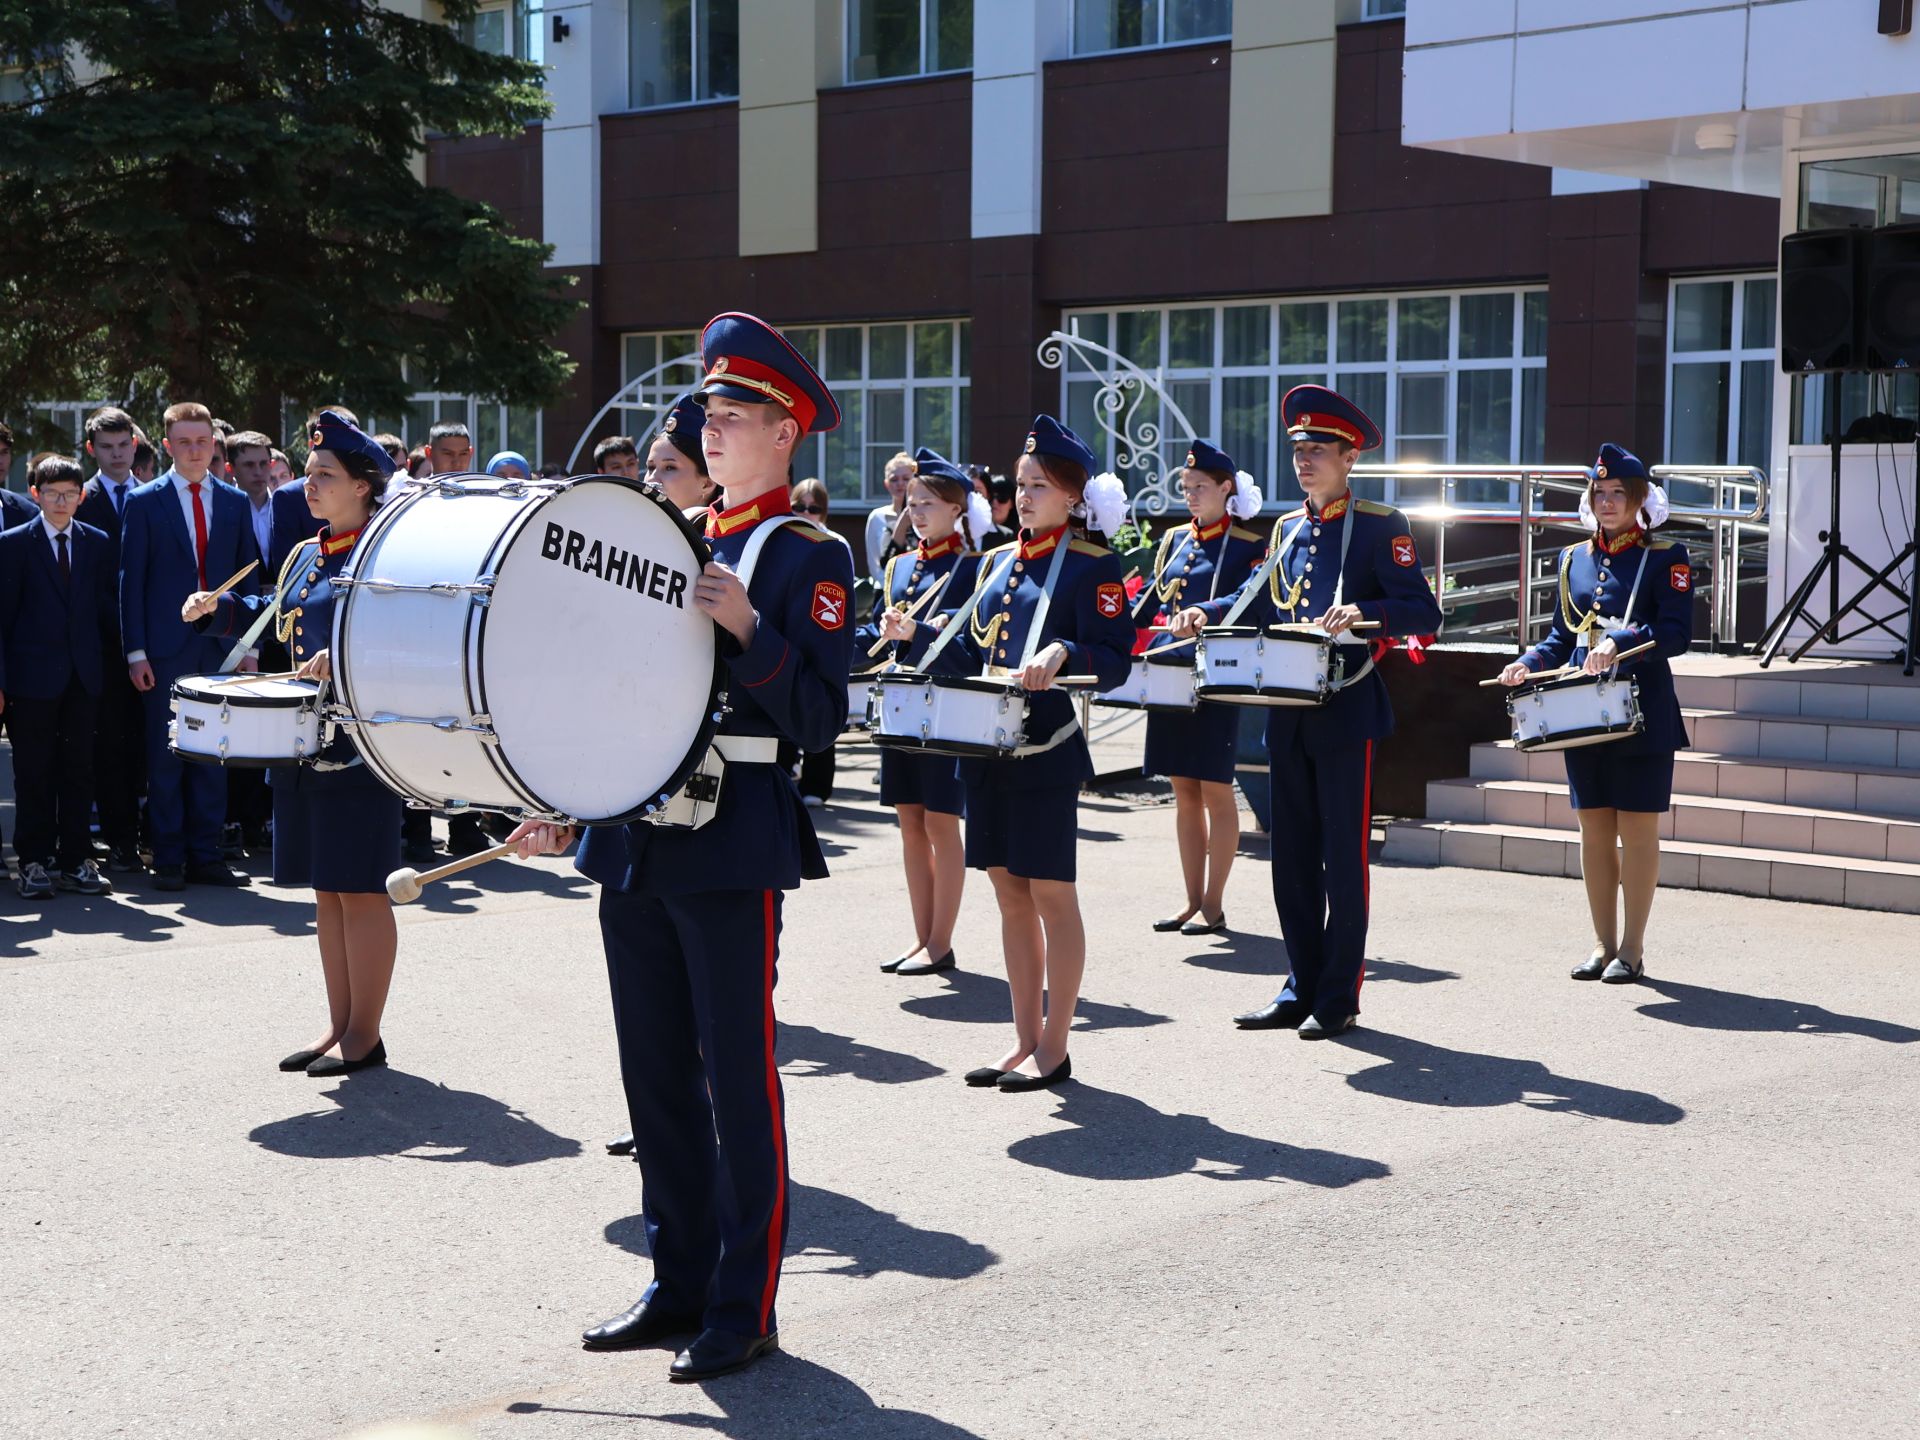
<point>1508,1206</point>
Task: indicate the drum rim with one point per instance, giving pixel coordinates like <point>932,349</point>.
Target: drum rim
<point>1263,632</point>
<point>960,749</point>
<point>241,700</point>
<point>1569,682</point>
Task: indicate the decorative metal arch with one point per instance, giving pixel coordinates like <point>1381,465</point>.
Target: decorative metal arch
<point>1116,404</point>
<point>628,397</point>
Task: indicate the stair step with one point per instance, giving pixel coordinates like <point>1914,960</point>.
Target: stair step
<point>1684,864</point>
<point>1885,743</point>
<point>1789,828</point>
<point>1855,692</point>
<point>1831,785</point>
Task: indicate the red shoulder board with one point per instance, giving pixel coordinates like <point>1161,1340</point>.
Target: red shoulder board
<point>1403,553</point>
<point>829,605</point>
<point>1110,599</point>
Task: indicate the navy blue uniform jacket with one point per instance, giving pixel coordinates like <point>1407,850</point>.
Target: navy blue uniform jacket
<point>54,631</point>
<point>910,576</point>
<point>1192,566</point>
<point>1383,577</point>
<point>1595,583</point>
<point>791,684</point>
<point>1088,616</point>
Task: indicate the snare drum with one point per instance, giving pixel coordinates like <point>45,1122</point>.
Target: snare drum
<point>860,702</point>
<point>1580,710</point>
<point>530,647</point>
<point>1159,685</point>
<point>974,715</point>
<point>1251,665</point>
<point>244,720</point>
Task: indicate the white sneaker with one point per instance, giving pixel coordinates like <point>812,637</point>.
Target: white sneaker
<point>34,882</point>
<point>84,878</point>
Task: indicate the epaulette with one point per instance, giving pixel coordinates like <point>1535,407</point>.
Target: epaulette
<point>1373,507</point>
<point>1087,547</point>
<point>1661,544</point>
<point>1293,514</point>
<point>1240,532</point>
<point>809,532</point>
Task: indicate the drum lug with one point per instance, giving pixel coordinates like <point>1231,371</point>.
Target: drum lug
<point>223,747</point>
<point>226,718</point>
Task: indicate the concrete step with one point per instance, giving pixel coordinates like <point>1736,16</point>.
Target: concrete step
<point>1686,864</point>
<point>1838,692</point>
<point>1796,829</point>
<point>1886,744</point>
<point>1828,785</point>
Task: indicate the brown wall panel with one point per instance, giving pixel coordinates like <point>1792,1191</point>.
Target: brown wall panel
<point>503,171</point>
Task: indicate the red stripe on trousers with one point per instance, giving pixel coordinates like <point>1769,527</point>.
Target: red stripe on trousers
<point>776,1225</point>
<point>1366,874</point>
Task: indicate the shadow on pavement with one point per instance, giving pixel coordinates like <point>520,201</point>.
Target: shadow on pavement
<point>1235,953</point>
<point>982,999</point>
<point>389,1112</point>
<point>785,1397</point>
<point>867,1241</point>
<point>1407,974</point>
<point>1428,1074</point>
<point>82,915</point>
<point>821,1052</point>
<point>126,912</point>
<point>1120,1138</point>
<point>1707,1009</point>
<point>455,896</point>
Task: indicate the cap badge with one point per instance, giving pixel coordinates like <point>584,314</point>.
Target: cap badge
<point>1032,440</point>
<point>1190,459</point>
<point>317,440</point>
<point>667,427</point>
<point>719,366</point>
<point>1599,472</point>
<point>1305,422</point>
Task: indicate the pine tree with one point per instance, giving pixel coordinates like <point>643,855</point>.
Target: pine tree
<point>215,199</point>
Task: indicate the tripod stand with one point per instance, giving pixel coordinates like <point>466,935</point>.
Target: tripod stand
<point>1833,552</point>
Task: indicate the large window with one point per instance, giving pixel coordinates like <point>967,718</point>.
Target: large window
<point>516,28</point>
<point>1457,377</point>
<point>1720,367</point>
<point>494,427</point>
<point>682,51</point>
<point>1103,25</point>
<point>899,386</point>
<point>1383,10</point>
<point>889,39</point>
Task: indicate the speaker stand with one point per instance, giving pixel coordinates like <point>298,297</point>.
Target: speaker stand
<point>1833,554</point>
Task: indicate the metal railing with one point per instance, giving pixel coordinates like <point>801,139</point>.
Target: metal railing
<point>1736,499</point>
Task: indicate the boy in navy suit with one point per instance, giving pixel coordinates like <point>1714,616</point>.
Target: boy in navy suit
<point>56,612</point>
<point>119,749</point>
<point>184,532</point>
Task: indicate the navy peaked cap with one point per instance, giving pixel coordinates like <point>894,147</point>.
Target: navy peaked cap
<point>683,425</point>
<point>747,359</point>
<point>1050,437</point>
<point>1313,412</point>
<point>333,432</point>
<point>1616,462</point>
<point>1202,456</point>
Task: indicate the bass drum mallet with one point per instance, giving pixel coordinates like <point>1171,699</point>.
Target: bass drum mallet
<point>406,883</point>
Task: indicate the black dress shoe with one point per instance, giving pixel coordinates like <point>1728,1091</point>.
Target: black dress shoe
<point>124,862</point>
<point>1621,973</point>
<point>327,1066</point>
<point>169,877</point>
<point>1313,1028</point>
<point>919,966</point>
<point>895,963</point>
<point>641,1324</point>
<point>1206,927</point>
<point>1169,925</point>
<point>984,1076</point>
<point>216,872</point>
<point>622,1146</point>
<point>1275,1015</point>
<point>1590,968</point>
<point>418,852</point>
<point>720,1352</point>
<point>1013,1081</point>
<point>300,1059</point>
<point>465,837</point>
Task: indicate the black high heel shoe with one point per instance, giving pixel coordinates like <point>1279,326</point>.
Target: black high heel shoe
<point>328,1066</point>
<point>1013,1081</point>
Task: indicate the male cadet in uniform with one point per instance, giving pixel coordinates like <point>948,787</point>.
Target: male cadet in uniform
<point>1339,561</point>
<point>691,918</point>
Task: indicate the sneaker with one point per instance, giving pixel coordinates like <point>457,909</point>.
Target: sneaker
<point>812,802</point>
<point>84,878</point>
<point>34,883</point>
<point>125,862</point>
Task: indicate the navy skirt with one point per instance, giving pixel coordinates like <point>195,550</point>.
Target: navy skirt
<point>1030,832</point>
<point>929,780</point>
<point>1195,744</point>
<point>1600,778</point>
<point>335,830</point>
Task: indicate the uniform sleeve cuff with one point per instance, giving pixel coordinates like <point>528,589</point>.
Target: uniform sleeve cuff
<point>136,657</point>
<point>759,662</point>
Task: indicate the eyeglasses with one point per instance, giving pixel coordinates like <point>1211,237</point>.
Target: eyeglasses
<point>809,509</point>
<point>59,497</point>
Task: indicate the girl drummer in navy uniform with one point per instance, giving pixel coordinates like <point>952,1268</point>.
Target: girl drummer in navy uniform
<point>335,827</point>
<point>675,461</point>
<point>925,790</point>
<point>690,917</point>
<point>1620,589</point>
<point>1202,560</point>
<point>1021,811</point>
<point>1337,561</point>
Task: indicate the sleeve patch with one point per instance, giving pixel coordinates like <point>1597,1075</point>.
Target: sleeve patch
<point>829,605</point>
<point>1110,599</point>
<point>1403,553</point>
<point>1681,578</point>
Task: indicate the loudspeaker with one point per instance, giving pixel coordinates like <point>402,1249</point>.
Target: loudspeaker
<point>1820,284</point>
<point>1890,317</point>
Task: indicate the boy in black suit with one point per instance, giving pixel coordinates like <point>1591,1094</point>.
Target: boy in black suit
<point>56,615</point>
<point>119,743</point>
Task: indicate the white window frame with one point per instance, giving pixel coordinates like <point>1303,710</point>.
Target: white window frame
<point>1273,473</point>
<point>926,70</point>
<point>694,58</point>
<point>1073,31</point>
<point>1735,357</point>
<point>810,458</point>
<point>466,411</point>
<point>1383,9</point>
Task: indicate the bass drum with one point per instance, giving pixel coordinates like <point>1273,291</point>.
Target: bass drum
<point>528,647</point>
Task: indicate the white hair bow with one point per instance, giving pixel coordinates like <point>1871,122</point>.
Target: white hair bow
<point>1246,500</point>
<point>979,515</point>
<point>1653,510</point>
<point>1105,503</point>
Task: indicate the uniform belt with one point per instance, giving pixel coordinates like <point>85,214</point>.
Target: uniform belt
<point>748,749</point>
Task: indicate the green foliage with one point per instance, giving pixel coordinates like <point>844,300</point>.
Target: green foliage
<point>216,199</point>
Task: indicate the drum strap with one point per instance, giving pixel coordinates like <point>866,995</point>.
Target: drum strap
<point>961,616</point>
<point>1594,620</point>
<point>246,641</point>
<point>1258,579</point>
<point>757,541</point>
<point>1046,602</point>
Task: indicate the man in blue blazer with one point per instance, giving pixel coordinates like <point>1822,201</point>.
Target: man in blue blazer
<point>56,612</point>
<point>183,532</point>
<point>119,744</point>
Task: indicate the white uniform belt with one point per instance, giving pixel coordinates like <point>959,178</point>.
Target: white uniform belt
<point>747,749</point>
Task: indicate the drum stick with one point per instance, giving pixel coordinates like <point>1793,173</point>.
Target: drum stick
<point>1569,669</point>
<point>239,675</point>
<point>244,571</point>
<point>1315,625</point>
<point>405,884</point>
<point>879,645</point>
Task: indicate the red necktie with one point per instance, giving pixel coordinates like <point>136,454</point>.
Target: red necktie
<point>199,531</point>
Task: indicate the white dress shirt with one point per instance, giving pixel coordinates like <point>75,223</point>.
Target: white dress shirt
<point>262,523</point>
<point>186,502</point>
<point>116,494</point>
<point>53,539</point>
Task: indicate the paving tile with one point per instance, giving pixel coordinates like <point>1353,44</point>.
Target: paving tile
<point>1822,884</point>
<point>1698,779</point>
<point>1679,872</point>
<point>1793,741</point>
<point>1857,745</point>
<point>1889,794</point>
<point>1859,839</point>
<point>1822,789</point>
<point>1547,766</point>
<point>1903,844</point>
<point>1472,849</point>
<point>1534,857</point>
<point>1909,750</point>
<point>1772,830</point>
<point>1899,703</point>
<point>1726,734</point>
<point>1734,874</point>
<point>1412,845</point>
<point>1560,811</point>
<point>1707,692</point>
<point>1767,697</point>
<point>1516,807</point>
<point>1707,824</point>
<point>1462,803</point>
<point>1871,890</point>
<point>1764,783</point>
<point>1836,702</point>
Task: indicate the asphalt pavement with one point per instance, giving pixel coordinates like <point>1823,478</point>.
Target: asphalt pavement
<point>1508,1205</point>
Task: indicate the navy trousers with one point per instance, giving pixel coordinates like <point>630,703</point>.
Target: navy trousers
<point>186,800</point>
<point>1322,823</point>
<point>692,978</point>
